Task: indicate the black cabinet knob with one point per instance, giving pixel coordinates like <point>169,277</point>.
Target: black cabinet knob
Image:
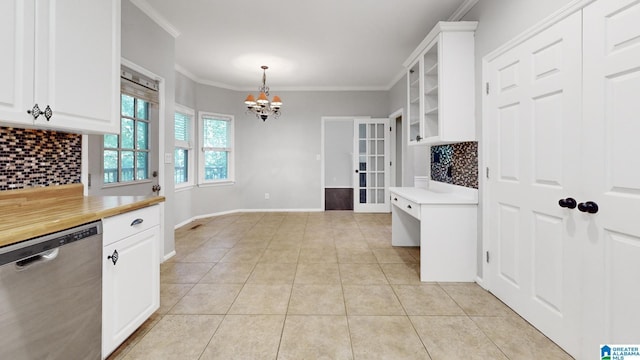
<point>114,257</point>
<point>568,203</point>
<point>588,207</point>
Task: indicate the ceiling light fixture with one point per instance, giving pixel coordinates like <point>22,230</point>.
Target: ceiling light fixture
<point>262,107</point>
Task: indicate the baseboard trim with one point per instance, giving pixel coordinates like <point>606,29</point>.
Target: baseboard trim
<point>169,256</point>
<point>198,217</point>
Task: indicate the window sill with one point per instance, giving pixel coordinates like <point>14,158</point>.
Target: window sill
<point>184,187</point>
<point>217,183</point>
<point>128,183</point>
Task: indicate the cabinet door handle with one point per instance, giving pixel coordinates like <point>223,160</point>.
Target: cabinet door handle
<point>418,137</point>
<point>395,199</point>
<point>113,257</point>
<point>35,112</point>
<point>137,221</point>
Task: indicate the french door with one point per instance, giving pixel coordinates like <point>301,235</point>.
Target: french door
<point>371,164</point>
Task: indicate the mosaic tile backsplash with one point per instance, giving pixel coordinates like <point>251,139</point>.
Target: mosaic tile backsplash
<point>455,164</point>
<point>30,158</point>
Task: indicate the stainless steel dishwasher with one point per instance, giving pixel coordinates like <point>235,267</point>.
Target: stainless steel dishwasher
<point>51,296</point>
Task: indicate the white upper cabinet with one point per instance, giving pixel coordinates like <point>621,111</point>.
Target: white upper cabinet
<point>64,56</point>
<point>440,86</point>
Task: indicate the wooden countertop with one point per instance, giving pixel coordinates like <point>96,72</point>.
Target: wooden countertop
<point>33,212</point>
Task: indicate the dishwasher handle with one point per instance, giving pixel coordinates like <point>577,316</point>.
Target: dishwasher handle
<point>43,257</point>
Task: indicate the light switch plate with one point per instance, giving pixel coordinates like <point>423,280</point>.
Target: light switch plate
<point>168,158</point>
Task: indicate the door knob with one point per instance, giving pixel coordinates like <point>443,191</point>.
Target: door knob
<point>567,203</point>
<point>588,207</point>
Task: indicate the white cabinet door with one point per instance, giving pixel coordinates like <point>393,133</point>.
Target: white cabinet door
<point>612,173</point>
<point>16,60</point>
<point>77,64</point>
<point>533,120</point>
<point>131,286</point>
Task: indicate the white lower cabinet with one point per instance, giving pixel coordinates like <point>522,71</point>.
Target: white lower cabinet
<point>130,274</point>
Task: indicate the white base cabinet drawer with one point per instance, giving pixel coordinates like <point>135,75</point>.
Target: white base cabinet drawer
<point>124,225</point>
<point>406,205</point>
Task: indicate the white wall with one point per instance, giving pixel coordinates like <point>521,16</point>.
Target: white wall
<point>278,156</point>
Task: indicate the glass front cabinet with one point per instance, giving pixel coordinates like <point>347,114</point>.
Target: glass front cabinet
<point>440,86</point>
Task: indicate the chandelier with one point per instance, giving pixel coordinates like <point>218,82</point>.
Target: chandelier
<point>262,107</point>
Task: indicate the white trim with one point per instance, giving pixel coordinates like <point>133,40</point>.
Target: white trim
<point>232,146</point>
<point>240,211</point>
<point>84,165</point>
<point>189,145</point>
<point>146,8</point>
<point>433,34</point>
<point>462,10</point>
<point>392,148</point>
<point>169,256</point>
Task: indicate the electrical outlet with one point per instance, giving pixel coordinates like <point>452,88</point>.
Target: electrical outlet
<point>267,196</point>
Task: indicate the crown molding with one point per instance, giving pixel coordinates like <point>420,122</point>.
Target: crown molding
<point>146,8</point>
<point>462,10</point>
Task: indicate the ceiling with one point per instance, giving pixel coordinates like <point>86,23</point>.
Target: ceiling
<point>320,45</point>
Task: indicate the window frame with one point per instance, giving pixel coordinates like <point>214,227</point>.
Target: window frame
<point>230,149</point>
<point>135,150</point>
<point>188,145</point>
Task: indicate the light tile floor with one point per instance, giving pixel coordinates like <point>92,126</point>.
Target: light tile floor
<point>318,286</point>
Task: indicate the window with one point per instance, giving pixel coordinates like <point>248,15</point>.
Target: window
<point>183,155</point>
<point>216,139</point>
<point>126,156</point>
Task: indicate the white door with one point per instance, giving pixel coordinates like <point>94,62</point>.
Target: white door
<point>371,164</point>
<point>612,173</point>
<point>533,119</point>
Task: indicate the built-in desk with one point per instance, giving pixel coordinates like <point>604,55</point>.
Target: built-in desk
<point>442,220</point>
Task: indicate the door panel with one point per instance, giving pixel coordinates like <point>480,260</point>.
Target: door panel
<point>534,115</point>
<point>371,159</point>
<point>612,172</point>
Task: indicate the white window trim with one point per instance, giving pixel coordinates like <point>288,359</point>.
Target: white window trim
<point>189,145</point>
<point>231,169</point>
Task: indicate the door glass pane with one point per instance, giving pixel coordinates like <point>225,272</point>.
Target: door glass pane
<point>362,131</point>
<point>142,167</point>
<point>142,134</point>
<point>381,196</point>
<point>372,163</point>
<point>126,129</point>
<point>215,165</point>
<point>380,147</point>
<point>362,147</point>
<point>126,174</point>
<point>380,131</point>
<point>127,105</point>
<point>142,109</point>
<point>380,166</point>
<point>380,181</point>
<point>372,196</point>
<point>372,131</point>
<point>111,141</point>
<point>372,180</point>
<point>363,196</point>
<point>363,179</point>
<point>372,147</point>
<point>363,163</point>
<point>110,166</point>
